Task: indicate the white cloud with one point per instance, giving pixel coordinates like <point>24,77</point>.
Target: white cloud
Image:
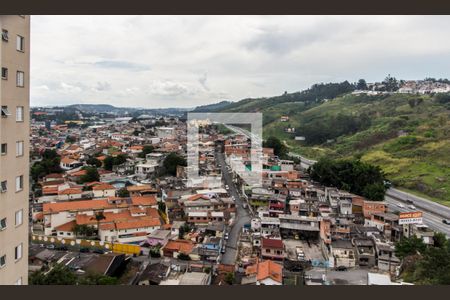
<point>168,61</point>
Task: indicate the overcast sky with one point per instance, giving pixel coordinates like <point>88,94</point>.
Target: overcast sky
<point>174,61</point>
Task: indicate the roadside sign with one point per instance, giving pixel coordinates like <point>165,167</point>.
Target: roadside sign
<point>414,217</point>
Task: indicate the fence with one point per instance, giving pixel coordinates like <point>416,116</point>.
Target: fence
<point>83,243</point>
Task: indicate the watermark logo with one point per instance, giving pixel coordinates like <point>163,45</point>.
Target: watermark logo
<point>248,166</point>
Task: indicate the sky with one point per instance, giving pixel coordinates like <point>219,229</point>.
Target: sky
<point>185,61</point>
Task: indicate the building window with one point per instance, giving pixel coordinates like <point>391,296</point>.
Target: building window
<point>20,44</point>
<point>3,186</point>
<point>5,35</point>
<point>19,114</point>
<point>4,149</point>
<point>19,217</point>
<point>19,183</point>
<point>18,251</point>
<point>4,73</point>
<point>2,261</point>
<point>20,79</point>
<point>5,111</point>
<point>3,224</point>
<point>19,148</point>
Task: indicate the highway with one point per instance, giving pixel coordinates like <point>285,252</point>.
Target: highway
<point>433,213</point>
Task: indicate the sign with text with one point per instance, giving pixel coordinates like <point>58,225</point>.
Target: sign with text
<point>413,217</point>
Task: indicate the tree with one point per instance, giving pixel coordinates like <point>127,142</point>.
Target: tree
<point>361,85</point>
<point>108,163</point>
<point>352,175</point>
<point>59,275</point>
<point>409,246</point>
<point>123,192</point>
<point>94,162</point>
<point>146,150</point>
<point>229,278</point>
<point>91,175</point>
<point>391,84</point>
<point>172,161</point>
<point>278,147</point>
<point>97,279</point>
<point>98,217</point>
<point>70,139</point>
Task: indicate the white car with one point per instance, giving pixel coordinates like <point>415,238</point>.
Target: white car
<point>400,205</point>
<point>226,236</point>
<point>411,206</point>
<point>227,187</point>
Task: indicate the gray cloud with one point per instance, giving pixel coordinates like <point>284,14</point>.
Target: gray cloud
<point>248,56</point>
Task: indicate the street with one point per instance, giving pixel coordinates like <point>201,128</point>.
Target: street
<point>242,215</point>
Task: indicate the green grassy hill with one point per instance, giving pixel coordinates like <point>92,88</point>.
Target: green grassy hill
<point>408,136</point>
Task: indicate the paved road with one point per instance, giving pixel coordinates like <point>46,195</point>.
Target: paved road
<point>431,220</point>
<point>357,276</point>
<point>242,215</point>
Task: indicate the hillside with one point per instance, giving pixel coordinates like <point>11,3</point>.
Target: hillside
<point>407,135</point>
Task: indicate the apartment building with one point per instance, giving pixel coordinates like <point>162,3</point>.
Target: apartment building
<point>14,139</point>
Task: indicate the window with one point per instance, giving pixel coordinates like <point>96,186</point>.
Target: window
<point>3,186</point>
<point>4,149</point>
<point>20,79</point>
<point>5,111</point>
<point>4,73</point>
<point>19,183</point>
<point>18,252</point>
<point>3,224</point>
<point>2,261</point>
<point>5,35</point>
<point>20,43</point>
<point>19,217</point>
<point>19,114</point>
<point>19,148</point>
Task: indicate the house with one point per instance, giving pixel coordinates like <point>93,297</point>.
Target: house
<point>272,248</point>
<point>343,253</point>
<point>153,274</point>
<point>264,273</point>
<point>365,252</point>
<point>104,190</point>
<point>175,247</point>
<point>69,163</point>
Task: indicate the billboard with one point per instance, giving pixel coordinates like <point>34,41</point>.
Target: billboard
<point>413,217</point>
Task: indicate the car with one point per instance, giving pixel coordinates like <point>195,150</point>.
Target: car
<point>227,187</point>
<point>400,205</point>
<point>411,206</point>
<point>226,236</point>
<point>51,246</point>
<point>409,201</point>
<point>85,250</point>
<point>446,221</point>
<point>62,248</point>
<point>99,251</point>
<point>341,268</point>
<point>223,250</point>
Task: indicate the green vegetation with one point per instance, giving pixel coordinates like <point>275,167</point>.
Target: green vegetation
<point>49,164</point>
<point>172,161</point>
<point>351,175</point>
<point>61,275</point>
<point>278,147</point>
<point>123,192</point>
<point>111,161</point>
<point>425,265</point>
<point>94,162</point>
<point>146,150</point>
<point>90,176</point>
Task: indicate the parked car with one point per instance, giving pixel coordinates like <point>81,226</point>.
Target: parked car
<point>446,221</point>
<point>51,246</point>
<point>85,250</point>
<point>99,251</point>
<point>223,250</point>
<point>226,236</point>
<point>227,187</point>
<point>341,268</point>
<point>62,248</point>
